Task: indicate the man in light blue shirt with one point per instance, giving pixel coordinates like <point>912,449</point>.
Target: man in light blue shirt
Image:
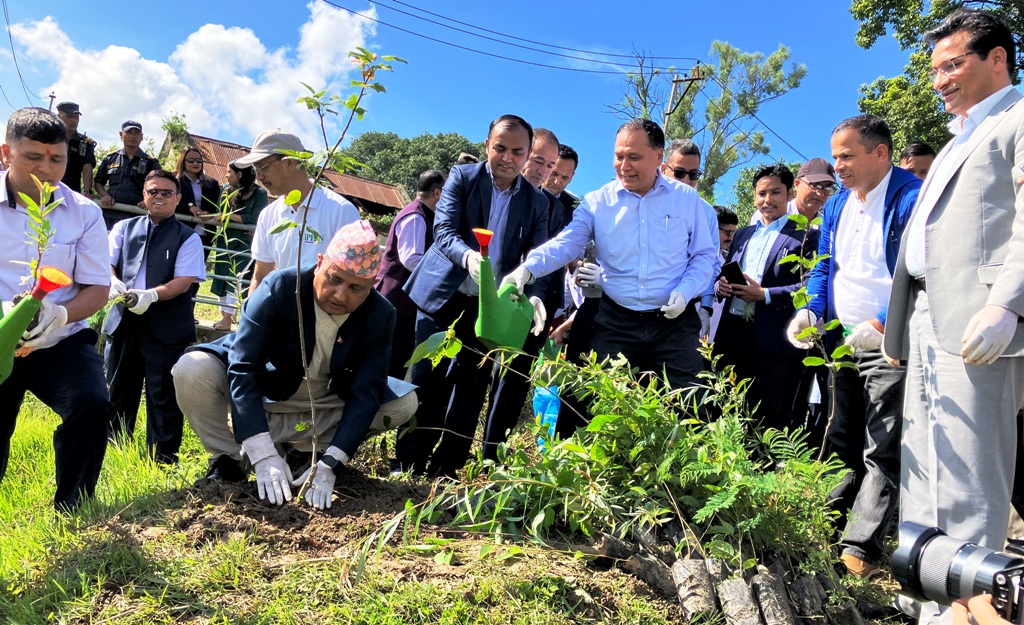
<point>656,254</point>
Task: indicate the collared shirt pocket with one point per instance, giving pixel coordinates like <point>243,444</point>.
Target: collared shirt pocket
<point>60,256</point>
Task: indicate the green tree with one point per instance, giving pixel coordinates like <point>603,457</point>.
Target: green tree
<point>400,160</point>
<point>716,106</point>
<point>743,190</point>
<point>907,102</point>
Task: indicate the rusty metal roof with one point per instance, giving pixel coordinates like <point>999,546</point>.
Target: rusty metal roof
<point>373,195</point>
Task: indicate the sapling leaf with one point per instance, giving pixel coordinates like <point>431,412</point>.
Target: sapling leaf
<point>316,235</point>
<point>283,225</point>
<point>294,197</point>
<point>813,361</point>
<point>831,325</point>
<point>841,351</point>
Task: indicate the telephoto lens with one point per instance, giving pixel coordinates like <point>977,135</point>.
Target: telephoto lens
<point>932,566</point>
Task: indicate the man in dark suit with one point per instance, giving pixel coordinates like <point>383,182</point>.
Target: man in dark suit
<point>444,286</point>
<point>156,260</point>
<point>347,326</point>
<point>752,332</point>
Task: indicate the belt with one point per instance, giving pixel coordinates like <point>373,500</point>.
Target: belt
<point>917,284</point>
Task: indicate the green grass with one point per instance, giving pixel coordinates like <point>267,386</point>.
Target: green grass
<point>123,559</point>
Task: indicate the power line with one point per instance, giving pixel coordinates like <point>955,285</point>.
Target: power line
<point>516,45</point>
<point>761,121</point>
<point>4,93</point>
<point>540,43</point>
<point>468,49</point>
<point>14,55</point>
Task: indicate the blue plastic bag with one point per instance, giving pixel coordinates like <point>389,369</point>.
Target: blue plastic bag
<point>545,406</point>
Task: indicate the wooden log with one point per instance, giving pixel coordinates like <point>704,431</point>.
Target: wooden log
<point>652,570</point>
<point>845,613</point>
<point>808,599</point>
<point>694,587</point>
<point>718,570</point>
<point>772,598</point>
<point>738,603</point>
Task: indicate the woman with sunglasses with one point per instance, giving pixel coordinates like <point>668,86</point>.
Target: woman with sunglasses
<point>200,194</point>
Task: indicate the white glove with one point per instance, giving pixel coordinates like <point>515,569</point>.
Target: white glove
<point>588,275</point>
<point>540,315</point>
<point>705,321</point>
<point>273,477</point>
<point>865,337</point>
<point>520,276</point>
<point>473,265</point>
<point>802,320</point>
<point>51,318</point>
<point>117,288</point>
<point>146,299</point>
<point>321,490</point>
<point>675,306</point>
<point>988,334</point>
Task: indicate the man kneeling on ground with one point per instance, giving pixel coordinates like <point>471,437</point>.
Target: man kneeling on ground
<point>348,330</point>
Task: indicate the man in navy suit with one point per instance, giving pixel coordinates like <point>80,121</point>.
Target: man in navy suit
<point>752,332</point>
<point>444,286</point>
<point>347,327</point>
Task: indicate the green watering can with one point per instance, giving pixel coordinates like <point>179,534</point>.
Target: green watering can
<point>505,316</point>
<point>14,324</point>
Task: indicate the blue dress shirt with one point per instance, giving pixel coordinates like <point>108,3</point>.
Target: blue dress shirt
<point>647,246</point>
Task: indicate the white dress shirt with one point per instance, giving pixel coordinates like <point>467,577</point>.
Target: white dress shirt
<point>862,282</point>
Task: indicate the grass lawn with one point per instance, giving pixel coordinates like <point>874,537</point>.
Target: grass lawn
<point>152,549</point>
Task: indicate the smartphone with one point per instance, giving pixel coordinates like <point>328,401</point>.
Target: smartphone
<point>732,273</point>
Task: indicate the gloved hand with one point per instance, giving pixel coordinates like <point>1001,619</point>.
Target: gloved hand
<point>51,318</point>
<point>117,288</point>
<point>321,490</point>
<point>988,334</point>
<point>473,265</point>
<point>802,320</point>
<point>588,275</point>
<point>675,306</point>
<point>273,477</point>
<point>865,337</point>
<point>520,276</point>
<point>146,299</point>
<point>540,316</point>
<point>705,321</point>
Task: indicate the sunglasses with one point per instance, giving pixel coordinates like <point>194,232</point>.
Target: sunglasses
<point>822,187</point>
<point>193,161</point>
<point>160,192</point>
<point>679,173</point>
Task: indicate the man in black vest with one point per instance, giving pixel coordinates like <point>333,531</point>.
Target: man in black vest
<point>121,174</point>
<point>412,232</point>
<point>154,260</point>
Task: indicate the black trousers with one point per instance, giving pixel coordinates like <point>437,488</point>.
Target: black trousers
<point>865,434</point>
<point>572,413</point>
<point>403,342</point>
<point>775,379</point>
<point>508,395</point>
<point>650,341</point>
<point>136,356</point>
<point>451,394</point>
<point>68,378</point>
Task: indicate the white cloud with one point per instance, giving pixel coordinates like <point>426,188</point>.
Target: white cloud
<point>223,79</point>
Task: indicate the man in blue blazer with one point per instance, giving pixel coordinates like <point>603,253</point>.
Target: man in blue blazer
<point>444,286</point>
<point>862,226</point>
<point>752,331</point>
<point>347,326</point>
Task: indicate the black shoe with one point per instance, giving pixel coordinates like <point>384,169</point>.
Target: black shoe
<point>223,469</point>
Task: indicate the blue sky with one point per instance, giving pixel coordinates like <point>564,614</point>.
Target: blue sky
<point>234,68</point>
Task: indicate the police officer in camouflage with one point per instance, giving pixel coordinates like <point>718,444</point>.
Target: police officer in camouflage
<point>121,174</point>
<point>81,151</point>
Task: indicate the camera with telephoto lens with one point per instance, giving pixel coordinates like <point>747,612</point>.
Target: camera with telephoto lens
<point>932,566</point>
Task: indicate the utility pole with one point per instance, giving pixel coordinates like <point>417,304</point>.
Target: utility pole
<point>696,75</point>
<point>52,98</point>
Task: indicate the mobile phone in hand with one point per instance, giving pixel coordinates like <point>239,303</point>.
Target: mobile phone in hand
<point>732,273</point>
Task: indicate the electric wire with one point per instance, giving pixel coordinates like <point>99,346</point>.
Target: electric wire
<point>515,45</point>
<point>541,43</point>
<point>761,121</point>
<point>14,55</point>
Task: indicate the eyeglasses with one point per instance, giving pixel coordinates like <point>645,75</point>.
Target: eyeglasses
<point>262,168</point>
<point>193,161</point>
<point>822,187</point>
<point>680,173</point>
<point>160,192</point>
<point>949,66</point>
<point>727,232</point>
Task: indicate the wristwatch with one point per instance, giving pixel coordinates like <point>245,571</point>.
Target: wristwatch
<point>333,463</point>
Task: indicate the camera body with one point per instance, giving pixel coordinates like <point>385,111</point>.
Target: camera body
<point>932,566</point>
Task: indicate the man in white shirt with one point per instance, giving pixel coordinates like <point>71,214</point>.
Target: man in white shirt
<point>861,231</point>
<point>328,211</point>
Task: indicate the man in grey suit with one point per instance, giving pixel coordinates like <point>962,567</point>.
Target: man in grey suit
<point>958,294</point>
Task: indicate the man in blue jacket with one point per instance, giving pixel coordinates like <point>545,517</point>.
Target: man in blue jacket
<point>861,230</point>
<point>445,288</point>
<point>347,330</point>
